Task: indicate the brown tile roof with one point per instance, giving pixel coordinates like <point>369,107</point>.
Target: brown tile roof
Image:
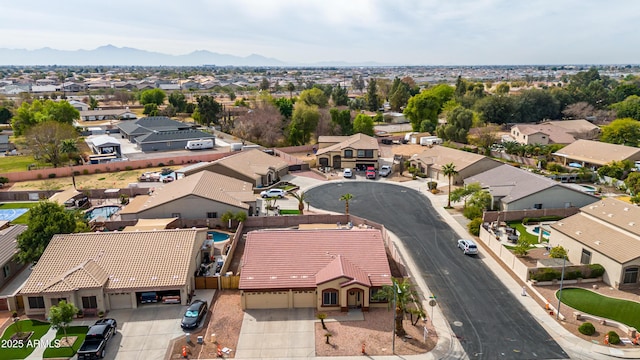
<point>286,259</point>
<point>357,142</point>
<point>439,156</point>
<point>578,126</point>
<point>557,135</point>
<point>129,260</point>
<point>598,153</point>
<point>252,163</point>
<point>617,213</point>
<point>205,184</point>
<point>8,242</point>
<point>150,224</point>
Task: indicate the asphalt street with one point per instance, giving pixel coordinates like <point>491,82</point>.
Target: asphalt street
<point>489,322</point>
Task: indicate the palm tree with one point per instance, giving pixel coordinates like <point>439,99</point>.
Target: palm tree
<point>403,294</point>
<point>69,147</point>
<point>301,197</point>
<point>346,198</point>
<point>449,170</point>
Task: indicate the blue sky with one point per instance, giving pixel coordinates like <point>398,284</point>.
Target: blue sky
<point>412,32</point>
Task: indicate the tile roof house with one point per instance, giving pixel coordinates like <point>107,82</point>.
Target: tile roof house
<point>107,114</point>
<point>323,269</point>
<point>433,159</point>
<point>8,249</point>
<point>357,151</point>
<point>160,133</point>
<point>513,188</point>
<point>543,134</point>
<point>606,232</point>
<point>590,153</point>
<point>253,166</point>
<point>203,195</point>
<point>107,271</point>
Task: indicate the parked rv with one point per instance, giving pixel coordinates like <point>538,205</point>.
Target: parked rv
<point>199,144</point>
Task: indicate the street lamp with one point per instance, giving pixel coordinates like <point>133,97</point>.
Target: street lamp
<point>395,313</point>
<point>564,261</point>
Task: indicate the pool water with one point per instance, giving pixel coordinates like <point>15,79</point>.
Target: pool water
<point>217,236</point>
<point>103,211</point>
<point>537,231</point>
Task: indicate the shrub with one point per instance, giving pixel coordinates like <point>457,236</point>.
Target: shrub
<point>76,173</point>
<point>108,169</point>
<point>614,338</point>
<point>474,226</point>
<point>557,252</point>
<point>171,162</point>
<point>128,168</point>
<point>85,172</point>
<point>52,176</point>
<point>546,274</point>
<point>597,270</point>
<point>572,275</point>
<point>472,212</point>
<point>39,176</point>
<point>98,171</point>
<point>432,185</point>
<point>160,164</point>
<point>587,328</point>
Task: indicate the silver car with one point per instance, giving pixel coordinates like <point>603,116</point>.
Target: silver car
<point>468,246</point>
<point>385,170</point>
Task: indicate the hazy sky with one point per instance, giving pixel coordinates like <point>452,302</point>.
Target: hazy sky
<point>428,32</point>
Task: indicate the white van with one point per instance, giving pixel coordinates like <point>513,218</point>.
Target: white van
<point>199,144</point>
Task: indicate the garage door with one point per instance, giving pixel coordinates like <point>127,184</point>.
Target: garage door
<point>304,299</point>
<point>267,300</point>
<point>120,301</point>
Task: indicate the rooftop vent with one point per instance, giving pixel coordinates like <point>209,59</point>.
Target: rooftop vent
<point>597,242</point>
<point>578,232</point>
<point>632,223</point>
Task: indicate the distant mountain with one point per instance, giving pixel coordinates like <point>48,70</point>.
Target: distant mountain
<point>112,55</point>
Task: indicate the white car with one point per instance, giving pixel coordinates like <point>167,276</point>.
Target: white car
<point>271,193</point>
<point>385,170</point>
<point>468,246</point>
<point>348,173</point>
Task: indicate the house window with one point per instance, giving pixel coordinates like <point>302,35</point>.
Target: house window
<point>6,270</point>
<point>212,215</point>
<point>330,297</point>
<point>348,153</point>
<point>372,296</point>
<point>630,276</point>
<point>360,153</point>
<point>537,206</point>
<point>36,302</point>
<point>365,153</point>
<point>586,257</point>
<point>89,302</point>
<point>175,215</point>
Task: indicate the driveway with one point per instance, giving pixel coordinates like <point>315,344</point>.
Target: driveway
<point>277,333</point>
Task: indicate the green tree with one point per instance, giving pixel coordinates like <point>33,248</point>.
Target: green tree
<point>459,122</point>
<point>93,103</point>
<point>29,115</point>
<point>45,220</point>
<point>5,115</point>
<point>503,89</point>
<point>371,98</point>
<point>558,252</point>
<point>496,109</point>
<point>208,109</point>
<point>300,196</point>
<point>628,108</point>
<point>291,87</point>
<point>264,84</point>
<point>61,315</point>
<point>463,193</point>
<point>536,105</point>
<point>622,131</point>
<point>340,96</point>
<point>363,123</point>
<point>522,248</point>
<point>422,107</point>
<point>46,141</point>
<point>150,109</point>
<point>357,83</point>
<point>346,198</point>
<point>632,183</point>
<point>342,119</point>
<point>404,295</point>
<point>303,122</point>
<point>178,101</point>
<point>152,96</point>
<point>449,170</point>
<point>285,106</point>
<point>313,97</point>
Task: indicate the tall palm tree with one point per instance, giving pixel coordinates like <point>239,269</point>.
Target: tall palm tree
<point>449,170</point>
<point>403,294</point>
<point>346,197</point>
<point>301,196</point>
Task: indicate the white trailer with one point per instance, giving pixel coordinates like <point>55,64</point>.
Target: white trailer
<point>236,146</point>
<point>199,144</point>
<point>430,140</point>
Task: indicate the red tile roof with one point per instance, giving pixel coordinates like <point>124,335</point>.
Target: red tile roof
<point>285,259</point>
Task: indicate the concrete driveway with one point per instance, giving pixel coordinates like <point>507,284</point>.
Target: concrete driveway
<point>277,333</point>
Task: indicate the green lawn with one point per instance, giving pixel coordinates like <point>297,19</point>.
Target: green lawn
<point>289,212</point>
<point>63,351</point>
<point>15,163</point>
<point>624,311</point>
<point>39,329</point>
<point>530,238</point>
<point>24,218</point>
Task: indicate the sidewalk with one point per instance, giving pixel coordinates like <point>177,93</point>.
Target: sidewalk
<point>448,346</point>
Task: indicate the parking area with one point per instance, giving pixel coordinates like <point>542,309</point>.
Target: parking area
<point>146,332</point>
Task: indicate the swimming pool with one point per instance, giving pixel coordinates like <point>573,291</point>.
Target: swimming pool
<point>217,236</point>
<point>544,232</point>
<point>103,211</point>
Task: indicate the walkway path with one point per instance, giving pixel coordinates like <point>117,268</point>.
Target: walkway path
<point>45,339</point>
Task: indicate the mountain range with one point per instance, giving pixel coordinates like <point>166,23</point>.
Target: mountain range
<point>112,55</point>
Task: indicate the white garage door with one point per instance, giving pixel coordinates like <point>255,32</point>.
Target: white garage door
<point>267,300</point>
<point>120,301</point>
<point>304,299</point>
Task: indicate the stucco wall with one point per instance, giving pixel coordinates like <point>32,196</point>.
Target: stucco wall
<point>189,207</point>
<point>554,197</point>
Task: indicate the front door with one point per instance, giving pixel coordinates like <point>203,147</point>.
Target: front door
<point>337,162</point>
<point>354,298</point>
